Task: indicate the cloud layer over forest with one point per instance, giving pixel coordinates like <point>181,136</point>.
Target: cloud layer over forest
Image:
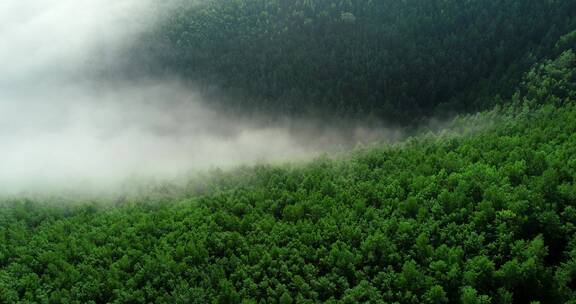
<point>61,127</point>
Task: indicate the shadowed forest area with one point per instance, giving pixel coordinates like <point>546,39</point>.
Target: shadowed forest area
<point>398,61</point>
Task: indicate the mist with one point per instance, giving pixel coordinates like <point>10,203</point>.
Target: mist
<point>63,128</point>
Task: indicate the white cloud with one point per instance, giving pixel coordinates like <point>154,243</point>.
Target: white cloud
<point>61,128</point>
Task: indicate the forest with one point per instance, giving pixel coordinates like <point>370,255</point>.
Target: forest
<point>390,60</point>
<point>480,211</point>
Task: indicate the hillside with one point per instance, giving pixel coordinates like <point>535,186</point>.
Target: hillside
<point>363,60</point>
<point>483,212</point>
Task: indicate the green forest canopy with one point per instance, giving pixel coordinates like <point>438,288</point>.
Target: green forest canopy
<point>484,212</point>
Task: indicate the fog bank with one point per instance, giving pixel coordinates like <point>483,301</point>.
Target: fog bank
<point>61,128</point>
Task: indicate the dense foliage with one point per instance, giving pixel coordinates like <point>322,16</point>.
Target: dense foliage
<point>484,213</point>
<point>397,60</point>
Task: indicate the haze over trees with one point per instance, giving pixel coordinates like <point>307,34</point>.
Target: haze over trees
<point>481,211</point>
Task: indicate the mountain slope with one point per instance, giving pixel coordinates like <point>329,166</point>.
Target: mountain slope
<point>392,60</point>
<point>482,213</point>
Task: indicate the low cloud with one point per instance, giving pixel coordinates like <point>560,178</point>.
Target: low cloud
<point>63,128</point>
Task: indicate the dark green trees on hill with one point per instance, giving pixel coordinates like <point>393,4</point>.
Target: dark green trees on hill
<point>397,60</point>
<point>485,215</point>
